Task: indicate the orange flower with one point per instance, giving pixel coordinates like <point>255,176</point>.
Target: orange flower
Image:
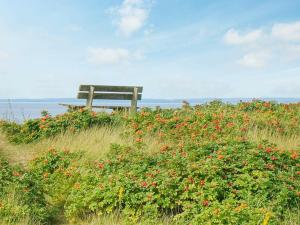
<point>144,184</point>
<point>205,203</point>
<point>154,184</point>
<point>16,174</point>
<point>77,186</point>
<point>202,183</point>
<point>220,157</point>
<point>139,140</point>
<point>139,132</point>
<point>294,155</point>
<point>100,165</point>
<point>268,150</point>
<point>164,148</point>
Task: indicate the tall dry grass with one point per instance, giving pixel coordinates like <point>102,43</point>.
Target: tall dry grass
<point>282,141</point>
<point>94,142</point>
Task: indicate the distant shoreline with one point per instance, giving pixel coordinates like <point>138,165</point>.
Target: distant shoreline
<point>155,100</point>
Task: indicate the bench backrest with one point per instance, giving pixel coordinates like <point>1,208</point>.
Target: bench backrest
<point>90,92</point>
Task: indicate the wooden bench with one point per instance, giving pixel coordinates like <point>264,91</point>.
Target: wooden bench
<point>91,92</point>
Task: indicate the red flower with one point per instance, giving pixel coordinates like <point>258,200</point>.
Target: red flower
<point>139,140</point>
<point>144,184</point>
<point>100,165</point>
<point>273,158</point>
<point>220,157</point>
<point>268,150</point>
<point>294,155</point>
<point>202,182</point>
<point>205,203</point>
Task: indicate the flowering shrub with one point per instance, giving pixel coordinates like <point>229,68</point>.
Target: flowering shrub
<point>205,169</point>
<point>48,126</point>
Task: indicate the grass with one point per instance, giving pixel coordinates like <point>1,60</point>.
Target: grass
<point>282,141</point>
<point>95,142</point>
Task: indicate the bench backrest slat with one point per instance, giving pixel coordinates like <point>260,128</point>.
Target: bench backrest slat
<point>106,88</point>
<point>110,96</point>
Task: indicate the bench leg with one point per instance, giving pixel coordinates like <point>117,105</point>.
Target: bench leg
<point>134,101</point>
<point>89,100</point>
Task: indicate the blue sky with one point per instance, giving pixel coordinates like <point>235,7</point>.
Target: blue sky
<point>174,48</point>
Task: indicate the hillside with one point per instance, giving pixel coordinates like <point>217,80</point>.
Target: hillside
<point>210,164</point>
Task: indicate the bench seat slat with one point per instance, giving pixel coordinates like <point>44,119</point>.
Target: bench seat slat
<point>110,96</point>
<point>106,88</point>
<point>97,106</point>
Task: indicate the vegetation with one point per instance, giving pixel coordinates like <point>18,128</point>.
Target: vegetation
<point>210,164</point>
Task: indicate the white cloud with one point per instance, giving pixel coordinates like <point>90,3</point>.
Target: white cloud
<point>287,31</point>
<point>280,42</point>
<point>254,60</point>
<point>112,55</point>
<point>131,15</point>
<point>235,38</point>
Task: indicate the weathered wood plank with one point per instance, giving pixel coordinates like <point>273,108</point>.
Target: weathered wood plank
<point>134,100</point>
<point>96,106</point>
<point>89,100</point>
<point>106,88</point>
<point>110,96</point>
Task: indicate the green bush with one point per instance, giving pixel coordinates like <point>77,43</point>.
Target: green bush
<point>48,126</point>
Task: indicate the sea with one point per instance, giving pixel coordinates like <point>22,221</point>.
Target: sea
<point>19,110</point>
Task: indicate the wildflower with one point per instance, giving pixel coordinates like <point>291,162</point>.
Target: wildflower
<point>294,155</point>
<point>273,158</point>
<point>144,184</point>
<point>220,157</point>
<point>191,180</point>
<point>183,154</point>
<point>68,173</point>
<point>230,124</point>
<point>46,175</point>
<point>241,207</point>
<point>269,150</point>
<point>270,166</point>
<point>100,165</point>
<point>164,148</point>
<point>16,174</point>
<point>121,193</point>
<point>266,219</point>
<point>205,203</point>
<point>145,113</point>
<point>77,186</point>
<point>202,183</point>
<point>139,132</point>
<point>139,140</point>
<point>154,184</point>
